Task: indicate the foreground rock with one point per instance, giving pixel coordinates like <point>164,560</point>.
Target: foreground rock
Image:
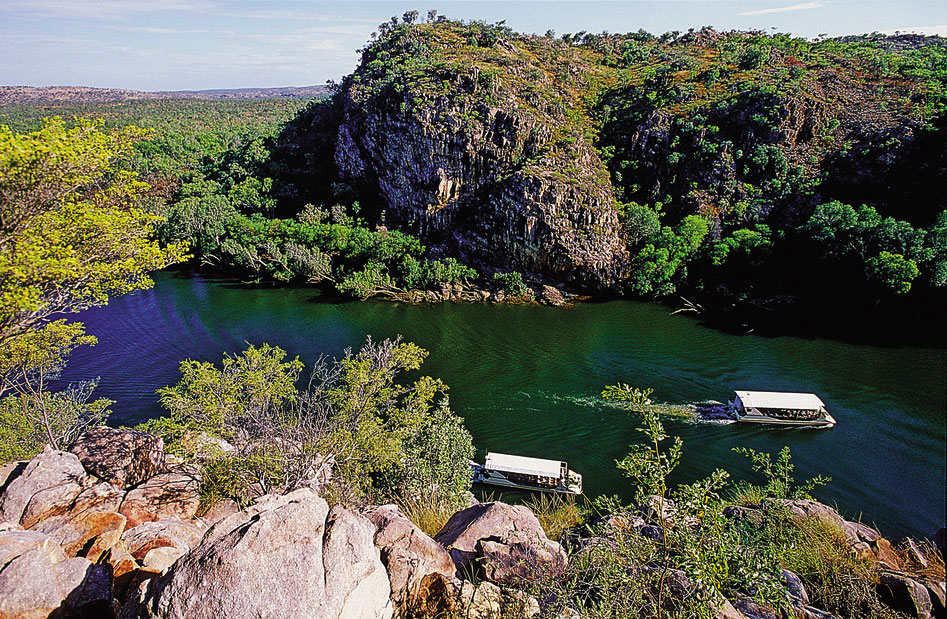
<point>47,487</point>
<point>420,571</point>
<point>37,580</point>
<point>505,541</point>
<point>119,456</point>
<point>174,494</point>
<point>283,556</point>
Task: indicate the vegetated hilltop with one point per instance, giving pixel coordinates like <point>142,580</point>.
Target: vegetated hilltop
<point>731,165</point>
<point>84,94</point>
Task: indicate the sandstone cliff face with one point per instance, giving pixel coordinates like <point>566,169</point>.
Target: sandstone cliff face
<point>476,172</point>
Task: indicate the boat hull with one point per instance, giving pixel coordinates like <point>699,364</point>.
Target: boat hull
<point>827,422</point>
<point>493,478</point>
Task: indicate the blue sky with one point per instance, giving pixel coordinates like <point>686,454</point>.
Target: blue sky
<point>197,44</point>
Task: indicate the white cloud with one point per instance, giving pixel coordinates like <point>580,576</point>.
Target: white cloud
<point>804,6</point>
<point>940,30</point>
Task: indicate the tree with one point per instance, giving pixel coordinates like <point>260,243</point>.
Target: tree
<point>70,233</point>
<point>894,271</point>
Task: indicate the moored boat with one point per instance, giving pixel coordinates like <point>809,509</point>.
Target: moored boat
<point>780,408</point>
<point>527,474</point>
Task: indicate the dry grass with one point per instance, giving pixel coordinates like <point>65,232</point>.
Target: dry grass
<point>428,513</point>
<point>556,513</point>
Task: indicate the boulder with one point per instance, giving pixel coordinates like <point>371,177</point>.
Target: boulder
<point>795,588</point>
<point>858,532</point>
<point>904,594</point>
<point>120,456</point>
<point>507,538</point>
<point>885,554</point>
<point>553,296</point>
<point>170,533</point>
<point>160,559</point>
<point>937,591</point>
<point>726,610</point>
<point>280,557</point>
<point>483,601</point>
<point>101,497</point>
<point>15,542</point>
<point>41,581</point>
<point>47,487</point>
<point>742,513</point>
<point>220,510</point>
<point>9,472</point>
<point>88,535</point>
<point>914,553</point>
<point>420,571</point>
<point>803,509</point>
<point>167,495</point>
<point>750,609</point>
<point>940,542</point>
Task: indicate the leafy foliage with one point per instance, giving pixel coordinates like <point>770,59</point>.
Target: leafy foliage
<point>381,439</point>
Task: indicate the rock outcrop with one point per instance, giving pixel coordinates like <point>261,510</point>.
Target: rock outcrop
<point>279,556</point>
<point>37,580</point>
<point>505,541</point>
<point>482,170</point>
<point>47,487</point>
<point>420,570</point>
<point>119,456</point>
<point>173,494</point>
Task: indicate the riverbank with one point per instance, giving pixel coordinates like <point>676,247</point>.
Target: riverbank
<point>116,529</point>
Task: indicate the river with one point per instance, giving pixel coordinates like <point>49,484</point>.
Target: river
<point>527,380</point>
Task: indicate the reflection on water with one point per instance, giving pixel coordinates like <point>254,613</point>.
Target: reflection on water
<point>527,381</point>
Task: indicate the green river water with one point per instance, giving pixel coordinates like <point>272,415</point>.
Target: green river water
<point>527,381</point>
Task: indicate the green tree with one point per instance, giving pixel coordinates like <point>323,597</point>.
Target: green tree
<point>70,233</point>
<point>894,271</point>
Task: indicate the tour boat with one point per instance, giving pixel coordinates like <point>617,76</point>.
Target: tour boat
<point>780,408</point>
<point>527,474</point>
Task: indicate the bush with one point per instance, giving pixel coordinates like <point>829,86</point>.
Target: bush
<point>381,439</point>
<point>511,283</point>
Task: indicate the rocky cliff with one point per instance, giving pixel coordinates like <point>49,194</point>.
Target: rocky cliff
<point>480,154</point>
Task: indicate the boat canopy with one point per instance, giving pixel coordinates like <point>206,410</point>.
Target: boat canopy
<point>523,465</point>
<point>780,399</point>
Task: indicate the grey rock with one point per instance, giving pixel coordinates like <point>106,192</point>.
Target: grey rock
<point>47,487</point>
<point>744,514</point>
<point>750,609</point>
<point>169,533</point>
<point>274,559</point>
<point>904,594</point>
<point>161,558</point>
<point>482,601</point>
<point>420,571</point>
<point>220,510</point>
<point>41,582</point>
<point>795,588</point>
<point>10,471</point>
<point>507,540</point>
<point>16,542</point>
<point>120,456</point>
<point>173,494</point>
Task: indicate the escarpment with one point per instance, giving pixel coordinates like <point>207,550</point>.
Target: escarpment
<point>482,164</point>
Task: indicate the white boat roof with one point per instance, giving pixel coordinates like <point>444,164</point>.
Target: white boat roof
<point>780,399</point>
<point>524,465</point>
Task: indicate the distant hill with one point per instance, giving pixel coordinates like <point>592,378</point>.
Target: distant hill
<point>83,94</point>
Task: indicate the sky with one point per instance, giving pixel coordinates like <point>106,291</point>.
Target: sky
<point>204,44</point>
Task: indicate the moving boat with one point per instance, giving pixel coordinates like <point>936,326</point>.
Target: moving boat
<point>527,474</point>
<point>780,408</point>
